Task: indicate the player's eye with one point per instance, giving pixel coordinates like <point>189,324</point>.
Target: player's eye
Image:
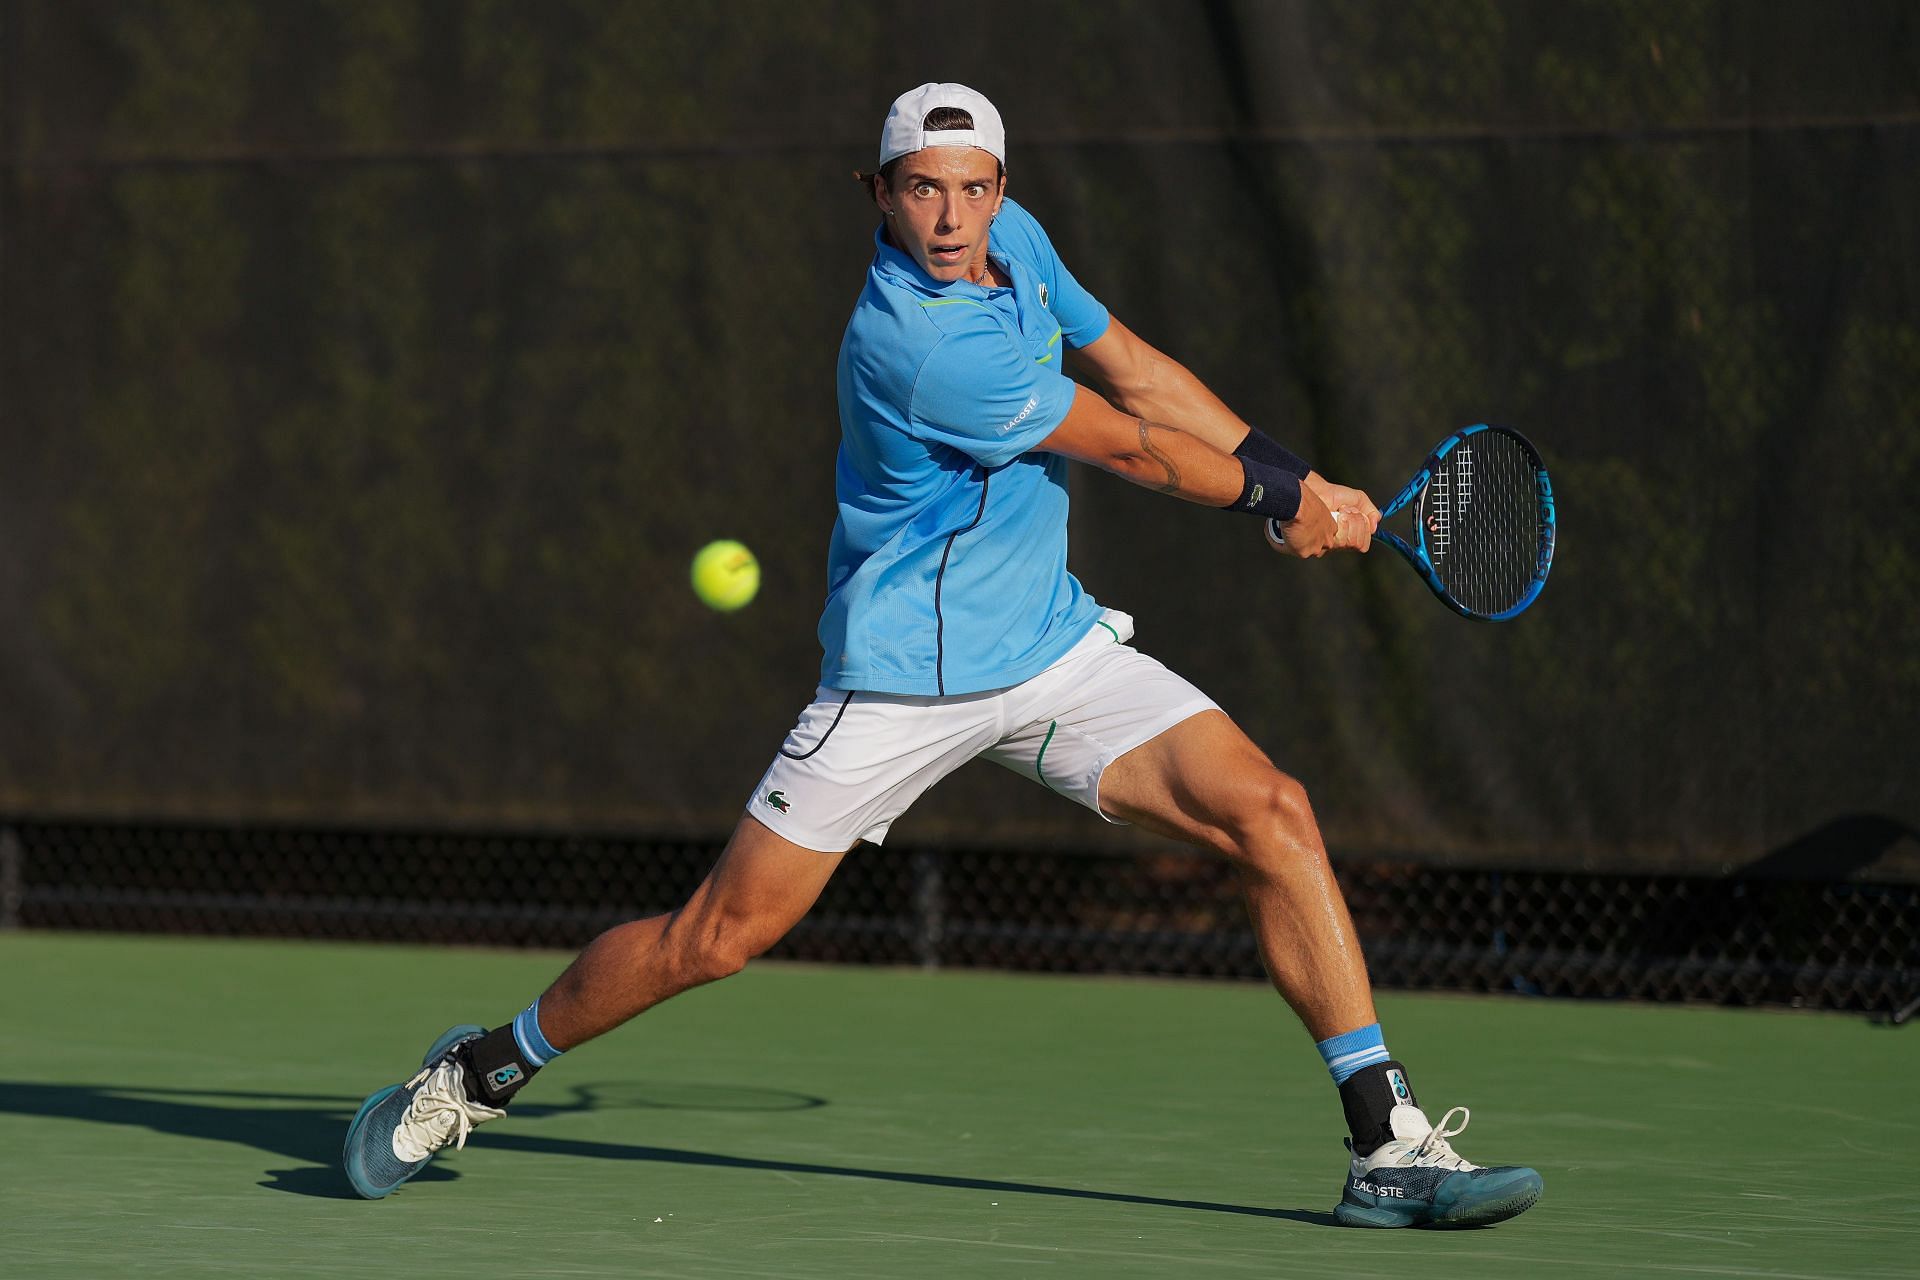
<point>924,190</point>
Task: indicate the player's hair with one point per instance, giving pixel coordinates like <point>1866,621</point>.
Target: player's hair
<point>937,119</point>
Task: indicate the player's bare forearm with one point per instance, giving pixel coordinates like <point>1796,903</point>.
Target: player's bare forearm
<point>1153,455</point>
<point>1174,394</point>
<point>1154,387</point>
<point>1176,462</point>
<point>1179,464</point>
<point>1141,380</point>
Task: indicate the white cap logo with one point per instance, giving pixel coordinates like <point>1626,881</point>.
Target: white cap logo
<point>905,131</point>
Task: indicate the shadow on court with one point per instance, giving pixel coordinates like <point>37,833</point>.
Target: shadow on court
<point>309,1128</point>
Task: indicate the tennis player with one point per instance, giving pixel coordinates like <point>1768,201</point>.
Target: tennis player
<point>953,631</point>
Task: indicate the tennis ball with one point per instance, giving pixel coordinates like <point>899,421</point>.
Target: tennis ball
<point>725,575</point>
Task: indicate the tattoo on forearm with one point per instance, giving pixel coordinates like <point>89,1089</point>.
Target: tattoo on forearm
<point>1146,446</point>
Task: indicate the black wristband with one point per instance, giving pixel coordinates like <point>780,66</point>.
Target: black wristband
<point>1268,491</point>
<point>1263,448</point>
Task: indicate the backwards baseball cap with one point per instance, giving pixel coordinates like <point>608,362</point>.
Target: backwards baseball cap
<point>905,130</point>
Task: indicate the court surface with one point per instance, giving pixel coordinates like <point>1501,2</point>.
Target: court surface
<point>175,1107</point>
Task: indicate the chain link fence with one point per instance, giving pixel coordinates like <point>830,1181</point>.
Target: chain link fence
<point>1734,940</point>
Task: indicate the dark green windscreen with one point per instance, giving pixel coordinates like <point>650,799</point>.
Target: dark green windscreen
<point>369,373</point>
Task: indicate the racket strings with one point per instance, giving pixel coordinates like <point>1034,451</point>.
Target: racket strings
<point>1484,530</point>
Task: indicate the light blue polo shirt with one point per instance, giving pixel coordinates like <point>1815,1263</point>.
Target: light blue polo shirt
<point>948,568</point>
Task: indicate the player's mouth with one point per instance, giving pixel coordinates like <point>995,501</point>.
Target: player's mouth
<point>947,255</point>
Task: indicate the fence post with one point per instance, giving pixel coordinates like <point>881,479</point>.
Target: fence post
<point>929,909</point>
<point>11,856</point>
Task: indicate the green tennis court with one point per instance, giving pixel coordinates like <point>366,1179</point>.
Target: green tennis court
<point>174,1108</point>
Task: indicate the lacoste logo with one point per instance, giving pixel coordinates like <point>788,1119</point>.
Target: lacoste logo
<point>1253,499</point>
<point>1043,293</point>
<point>1374,1189</point>
<point>1020,417</point>
<point>505,1076</point>
<point>778,800</point>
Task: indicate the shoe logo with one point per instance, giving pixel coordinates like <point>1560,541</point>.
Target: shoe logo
<point>1375,1189</point>
<point>1400,1090</point>
<point>778,800</point>
<point>505,1076</point>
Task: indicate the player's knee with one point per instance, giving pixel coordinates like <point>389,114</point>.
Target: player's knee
<point>1272,814</point>
<point>721,948</point>
<point>720,955</point>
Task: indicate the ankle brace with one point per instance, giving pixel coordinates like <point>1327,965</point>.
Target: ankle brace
<point>496,1069</point>
<point>1369,1096</point>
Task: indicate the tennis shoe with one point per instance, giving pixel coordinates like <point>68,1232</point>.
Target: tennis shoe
<point>399,1129</point>
<point>1417,1179</point>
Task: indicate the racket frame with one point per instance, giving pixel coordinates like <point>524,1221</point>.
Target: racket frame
<point>1416,553</point>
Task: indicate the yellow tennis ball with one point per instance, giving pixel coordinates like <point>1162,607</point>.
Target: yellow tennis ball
<point>725,575</point>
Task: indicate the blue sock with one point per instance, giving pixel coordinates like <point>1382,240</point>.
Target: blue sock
<point>532,1042</point>
<point>1347,1053</point>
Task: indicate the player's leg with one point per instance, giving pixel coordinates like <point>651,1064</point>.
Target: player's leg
<point>759,889</point>
<point>849,768</point>
<point>1204,782</point>
<point>1114,730</point>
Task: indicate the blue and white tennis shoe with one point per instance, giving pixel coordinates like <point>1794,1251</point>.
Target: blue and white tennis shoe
<point>1416,1179</point>
<point>402,1127</point>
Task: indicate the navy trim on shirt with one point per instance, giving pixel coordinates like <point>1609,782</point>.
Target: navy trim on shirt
<point>939,580</point>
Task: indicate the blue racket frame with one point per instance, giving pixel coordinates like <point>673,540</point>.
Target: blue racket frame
<point>1416,553</point>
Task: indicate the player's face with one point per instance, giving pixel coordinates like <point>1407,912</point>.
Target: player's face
<point>939,206</point>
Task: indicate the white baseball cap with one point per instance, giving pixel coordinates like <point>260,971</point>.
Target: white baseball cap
<point>905,133</point>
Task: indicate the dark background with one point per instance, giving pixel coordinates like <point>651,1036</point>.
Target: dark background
<point>369,373</point>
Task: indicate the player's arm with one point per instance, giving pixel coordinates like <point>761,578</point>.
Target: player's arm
<point>1144,381</point>
<point>1141,380</point>
<point>1184,464</point>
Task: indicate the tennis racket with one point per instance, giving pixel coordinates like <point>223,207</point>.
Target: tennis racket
<point>1482,514</point>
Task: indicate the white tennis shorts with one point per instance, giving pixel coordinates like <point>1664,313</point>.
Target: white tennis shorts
<point>857,760</point>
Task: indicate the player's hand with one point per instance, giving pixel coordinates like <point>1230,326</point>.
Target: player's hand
<point>1356,529</point>
<point>1311,533</point>
<point>1353,510</point>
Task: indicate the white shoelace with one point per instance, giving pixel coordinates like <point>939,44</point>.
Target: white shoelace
<point>1434,1151</point>
<point>440,1113</point>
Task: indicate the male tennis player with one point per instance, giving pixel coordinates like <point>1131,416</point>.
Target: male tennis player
<point>953,631</point>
